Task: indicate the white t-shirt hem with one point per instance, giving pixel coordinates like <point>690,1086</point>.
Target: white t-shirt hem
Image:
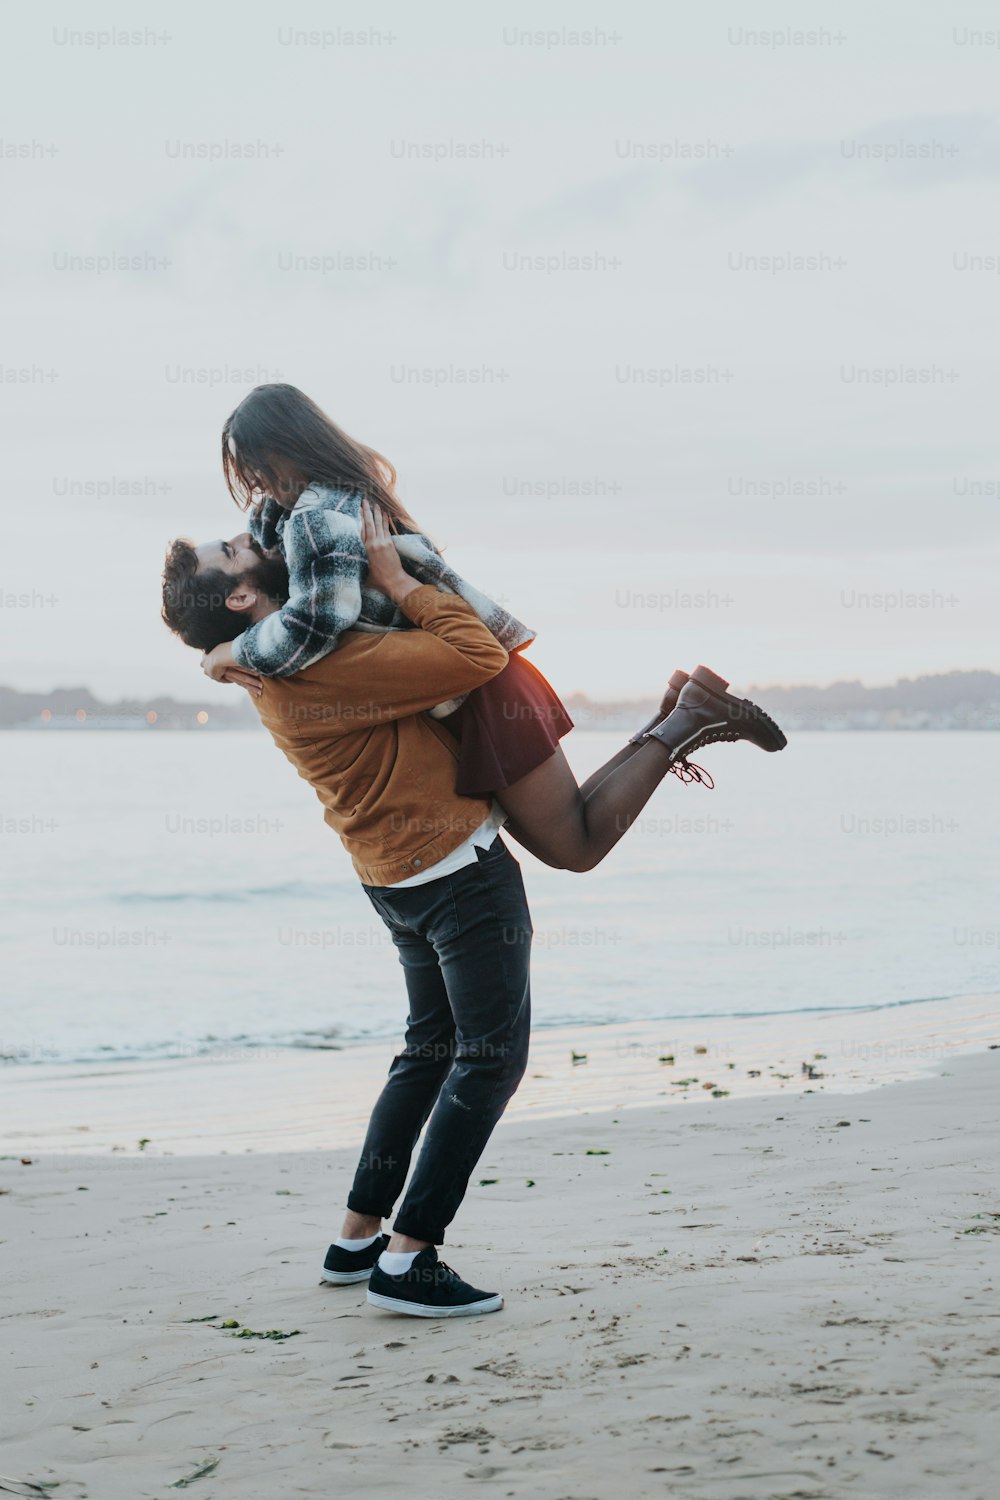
<point>464,855</point>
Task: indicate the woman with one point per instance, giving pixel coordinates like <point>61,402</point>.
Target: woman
<point>318,495</point>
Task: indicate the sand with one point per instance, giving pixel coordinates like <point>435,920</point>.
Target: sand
<point>781,1294</point>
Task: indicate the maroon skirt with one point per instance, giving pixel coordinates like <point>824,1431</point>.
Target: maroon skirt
<point>506,728</point>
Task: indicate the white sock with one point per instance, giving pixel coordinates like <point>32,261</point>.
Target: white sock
<point>346,1244</point>
<point>397,1262</point>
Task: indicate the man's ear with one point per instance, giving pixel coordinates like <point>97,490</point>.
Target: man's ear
<point>241,599</point>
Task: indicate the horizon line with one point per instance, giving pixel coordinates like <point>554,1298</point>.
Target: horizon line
<point>854,682</point>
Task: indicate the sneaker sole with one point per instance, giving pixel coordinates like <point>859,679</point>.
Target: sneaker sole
<point>345,1278</point>
<point>417,1310</point>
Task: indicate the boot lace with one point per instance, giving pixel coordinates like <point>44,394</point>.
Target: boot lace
<point>688,773</point>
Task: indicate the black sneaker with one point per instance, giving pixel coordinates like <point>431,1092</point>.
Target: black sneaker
<point>429,1289</point>
<point>344,1266</point>
<point>706,713</point>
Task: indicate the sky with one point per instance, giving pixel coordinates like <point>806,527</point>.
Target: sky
<point>679,324</point>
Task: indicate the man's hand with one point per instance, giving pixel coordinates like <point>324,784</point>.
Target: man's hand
<point>221,667</point>
<point>385,571</point>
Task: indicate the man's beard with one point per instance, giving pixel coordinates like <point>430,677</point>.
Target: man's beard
<point>269,575</point>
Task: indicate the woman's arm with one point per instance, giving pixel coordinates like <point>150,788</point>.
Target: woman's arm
<point>262,523</point>
<point>407,671</point>
<point>326,565</point>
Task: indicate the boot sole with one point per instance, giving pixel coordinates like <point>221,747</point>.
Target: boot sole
<point>420,1310</point>
<point>750,713</point>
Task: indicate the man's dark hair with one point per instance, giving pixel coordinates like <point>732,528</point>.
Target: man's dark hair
<point>194,603</point>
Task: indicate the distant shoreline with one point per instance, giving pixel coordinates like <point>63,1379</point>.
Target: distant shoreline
<point>963,700</point>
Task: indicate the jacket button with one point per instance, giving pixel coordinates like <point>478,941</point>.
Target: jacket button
<point>406,867</point>
<point>417,863</point>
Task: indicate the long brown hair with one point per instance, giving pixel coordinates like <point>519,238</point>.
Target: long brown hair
<point>280,422</point>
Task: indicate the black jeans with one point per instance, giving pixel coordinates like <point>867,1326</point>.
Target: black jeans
<point>464,942</point>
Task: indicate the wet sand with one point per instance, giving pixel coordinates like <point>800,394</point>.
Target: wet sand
<point>259,1099</point>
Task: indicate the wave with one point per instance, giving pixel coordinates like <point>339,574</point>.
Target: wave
<point>222,1049</point>
<point>335,1039</point>
<point>289,890</point>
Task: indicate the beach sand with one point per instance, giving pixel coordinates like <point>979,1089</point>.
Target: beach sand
<point>790,1293</point>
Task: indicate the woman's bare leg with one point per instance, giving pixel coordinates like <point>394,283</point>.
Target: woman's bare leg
<point>593,781</point>
<point>668,701</point>
<point>573,828</point>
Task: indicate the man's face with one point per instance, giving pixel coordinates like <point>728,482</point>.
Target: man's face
<point>244,561</point>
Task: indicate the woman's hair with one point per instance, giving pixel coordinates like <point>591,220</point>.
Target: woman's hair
<point>280,422</point>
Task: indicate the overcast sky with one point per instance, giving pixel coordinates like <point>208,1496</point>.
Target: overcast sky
<point>737,461</point>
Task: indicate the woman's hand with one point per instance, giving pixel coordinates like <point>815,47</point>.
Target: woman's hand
<point>385,571</point>
<point>221,667</point>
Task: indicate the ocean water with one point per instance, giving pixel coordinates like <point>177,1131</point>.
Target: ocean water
<point>177,894</point>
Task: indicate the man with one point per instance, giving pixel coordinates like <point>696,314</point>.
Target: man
<point>433,866</point>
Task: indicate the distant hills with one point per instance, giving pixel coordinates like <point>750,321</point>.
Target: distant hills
<point>943,700</point>
<point>940,701</point>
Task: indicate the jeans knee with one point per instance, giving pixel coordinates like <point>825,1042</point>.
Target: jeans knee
<point>503,1061</point>
<point>425,1061</point>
